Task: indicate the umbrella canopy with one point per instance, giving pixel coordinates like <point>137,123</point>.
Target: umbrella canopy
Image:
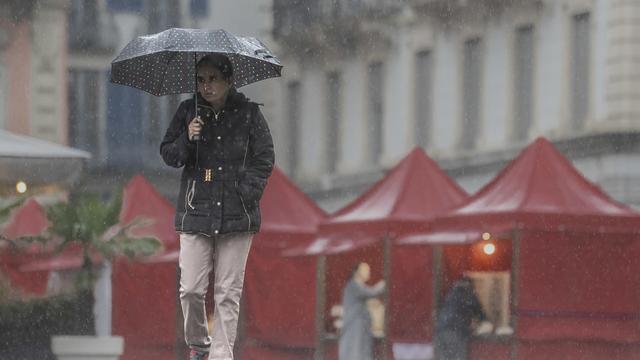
<point>164,63</point>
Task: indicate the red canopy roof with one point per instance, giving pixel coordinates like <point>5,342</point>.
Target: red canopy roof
<point>29,219</point>
<point>141,201</point>
<point>286,209</point>
<point>539,189</point>
<point>413,192</point>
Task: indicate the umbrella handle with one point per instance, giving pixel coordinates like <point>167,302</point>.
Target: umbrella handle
<point>197,137</point>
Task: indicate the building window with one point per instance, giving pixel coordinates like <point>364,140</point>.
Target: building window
<point>375,110</point>
<point>472,74</point>
<point>199,8</point>
<point>84,24</point>
<point>291,16</point>
<point>124,5</point>
<point>333,106</point>
<point>125,134</point>
<point>293,119</point>
<point>580,55</point>
<point>523,83</point>
<point>4,94</point>
<point>84,110</point>
<point>163,15</point>
<point>160,112</point>
<point>423,97</point>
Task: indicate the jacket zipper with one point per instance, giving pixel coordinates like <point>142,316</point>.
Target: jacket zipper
<point>187,202</point>
<point>244,161</point>
<point>245,211</point>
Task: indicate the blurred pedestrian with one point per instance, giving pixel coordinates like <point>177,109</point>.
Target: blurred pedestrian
<point>356,338</point>
<point>227,154</point>
<point>454,321</point>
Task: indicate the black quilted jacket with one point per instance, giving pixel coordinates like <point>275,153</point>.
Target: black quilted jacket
<point>225,173</point>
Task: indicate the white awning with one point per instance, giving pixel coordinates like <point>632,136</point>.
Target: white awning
<point>38,162</point>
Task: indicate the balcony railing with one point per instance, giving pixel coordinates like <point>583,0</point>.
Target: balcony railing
<point>451,8</point>
<point>323,22</point>
<point>291,16</point>
<point>17,10</point>
<point>91,29</point>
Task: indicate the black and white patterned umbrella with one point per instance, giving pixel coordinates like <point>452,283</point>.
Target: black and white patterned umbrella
<point>164,63</point>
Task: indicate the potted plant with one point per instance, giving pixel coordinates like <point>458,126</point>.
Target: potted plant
<point>88,227</point>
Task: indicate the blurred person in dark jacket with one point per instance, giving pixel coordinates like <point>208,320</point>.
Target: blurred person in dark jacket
<point>226,151</point>
<point>454,321</point>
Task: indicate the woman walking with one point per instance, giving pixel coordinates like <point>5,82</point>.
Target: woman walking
<point>227,154</point>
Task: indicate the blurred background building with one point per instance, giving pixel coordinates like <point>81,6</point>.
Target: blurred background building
<point>33,68</point>
<point>470,81</point>
<point>33,99</point>
<point>364,81</point>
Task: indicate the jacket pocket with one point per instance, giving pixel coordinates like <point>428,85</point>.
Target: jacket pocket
<point>200,208</point>
<point>196,202</point>
<point>245,209</point>
<point>249,193</point>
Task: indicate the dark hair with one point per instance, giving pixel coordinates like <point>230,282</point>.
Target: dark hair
<point>219,62</point>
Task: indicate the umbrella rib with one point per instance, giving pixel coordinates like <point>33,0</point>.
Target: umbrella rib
<point>171,55</point>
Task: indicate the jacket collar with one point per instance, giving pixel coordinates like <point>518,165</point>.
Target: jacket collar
<point>234,100</point>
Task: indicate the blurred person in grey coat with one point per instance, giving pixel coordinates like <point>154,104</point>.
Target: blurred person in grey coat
<point>356,339</point>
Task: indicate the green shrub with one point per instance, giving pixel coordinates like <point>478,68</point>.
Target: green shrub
<point>30,324</point>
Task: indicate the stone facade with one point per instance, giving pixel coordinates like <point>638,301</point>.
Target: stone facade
<point>472,82</point>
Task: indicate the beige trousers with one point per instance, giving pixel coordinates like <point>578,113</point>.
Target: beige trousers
<point>227,256</point>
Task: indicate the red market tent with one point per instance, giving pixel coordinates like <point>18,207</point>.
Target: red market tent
<point>413,192</point>
<point>145,308</point>
<point>279,298</point>
<point>144,292</point>
<point>571,256</point>
<point>69,259</point>
<point>139,303</point>
<point>29,219</point>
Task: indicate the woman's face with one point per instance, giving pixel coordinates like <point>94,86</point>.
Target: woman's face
<point>211,84</point>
